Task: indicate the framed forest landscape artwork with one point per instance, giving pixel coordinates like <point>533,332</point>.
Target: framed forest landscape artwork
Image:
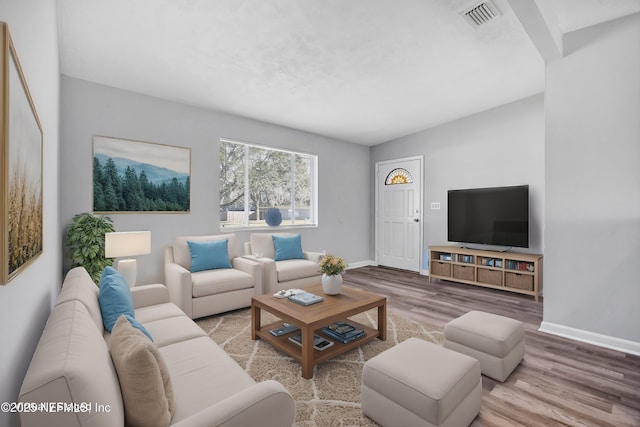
<point>20,167</point>
<point>135,176</point>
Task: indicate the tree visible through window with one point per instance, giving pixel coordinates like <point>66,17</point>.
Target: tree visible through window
<point>254,179</point>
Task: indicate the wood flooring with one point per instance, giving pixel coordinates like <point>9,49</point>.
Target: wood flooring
<point>560,382</point>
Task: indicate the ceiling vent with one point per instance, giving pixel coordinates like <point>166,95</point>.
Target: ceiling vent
<point>481,14</point>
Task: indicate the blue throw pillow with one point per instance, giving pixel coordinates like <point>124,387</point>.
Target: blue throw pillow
<point>138,325</point>
<point>288,247</point>
<point>209,255</point>
<point>115,297</point>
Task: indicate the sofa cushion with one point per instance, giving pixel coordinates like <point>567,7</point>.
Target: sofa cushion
<point>202,373</point>
<point>72,364</point>
<point>182,253</point>
<point>143,375</point>
<point>293,269</point>
<point>79,286</point>
<point>288,247</point>
<point>212,282</point>
<point>157,312</point>
<point>209,255</point>
<point>173,330</point>
<point>114,296</point>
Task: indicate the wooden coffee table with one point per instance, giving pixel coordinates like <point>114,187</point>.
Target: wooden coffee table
<point>312,318</point>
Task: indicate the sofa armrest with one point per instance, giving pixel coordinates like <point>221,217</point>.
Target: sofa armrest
<point>180,285</point>
<point>147,295</point>
<point>269,275</point>
<point>252,267</point>
<point>313,256</point>
<point>264,404</point>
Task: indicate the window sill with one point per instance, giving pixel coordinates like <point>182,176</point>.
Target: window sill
<point>263,228</point>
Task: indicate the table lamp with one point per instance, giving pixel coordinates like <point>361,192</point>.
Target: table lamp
<point>127,244</point>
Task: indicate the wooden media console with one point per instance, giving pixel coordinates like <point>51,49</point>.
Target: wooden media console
<point>508,271</point>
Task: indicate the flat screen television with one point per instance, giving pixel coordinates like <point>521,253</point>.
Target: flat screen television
<point>497,216</point>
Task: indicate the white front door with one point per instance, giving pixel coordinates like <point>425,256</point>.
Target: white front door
<point>399,213</point>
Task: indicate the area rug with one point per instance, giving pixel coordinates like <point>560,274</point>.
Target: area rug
<point>332,396</point>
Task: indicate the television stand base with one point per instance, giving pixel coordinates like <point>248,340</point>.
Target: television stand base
<point>507,271</point>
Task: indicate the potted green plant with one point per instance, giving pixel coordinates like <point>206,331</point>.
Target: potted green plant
<point>85,243</point>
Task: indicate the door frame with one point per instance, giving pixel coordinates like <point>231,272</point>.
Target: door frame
<point>378,164</point>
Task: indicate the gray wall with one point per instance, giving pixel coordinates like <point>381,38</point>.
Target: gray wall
<point>502,146</point>
<point>25,302</point>
<point>592,230</point>
<point>89,109</point>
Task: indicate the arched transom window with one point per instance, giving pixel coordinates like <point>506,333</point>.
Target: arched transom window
<point>398,176</point>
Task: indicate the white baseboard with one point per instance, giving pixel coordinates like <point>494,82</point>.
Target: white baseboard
<point>359,264</point>
<point>375,264</point>
<point>600,340</point>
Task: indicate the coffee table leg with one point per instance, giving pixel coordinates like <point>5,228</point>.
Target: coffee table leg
<point>307,353</point>
<point>382,322</point>
<point>255,321</point>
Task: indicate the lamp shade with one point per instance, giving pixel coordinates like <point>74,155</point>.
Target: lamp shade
<point>127,243</point>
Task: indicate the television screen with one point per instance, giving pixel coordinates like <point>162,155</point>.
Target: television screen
<point>491,216</point>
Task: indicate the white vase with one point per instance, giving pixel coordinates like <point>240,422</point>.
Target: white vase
<point>332,285</point>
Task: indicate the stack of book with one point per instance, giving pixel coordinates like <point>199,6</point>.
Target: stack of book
<point>343,332</point>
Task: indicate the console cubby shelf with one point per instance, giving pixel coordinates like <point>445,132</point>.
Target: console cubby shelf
<point>509,271</point>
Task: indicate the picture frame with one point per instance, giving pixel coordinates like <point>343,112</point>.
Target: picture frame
<point>134,177</point>
<point>21,167</point>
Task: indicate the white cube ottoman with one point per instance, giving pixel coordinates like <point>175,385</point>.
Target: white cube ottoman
<point>417,383</point>
<point>496,341</point>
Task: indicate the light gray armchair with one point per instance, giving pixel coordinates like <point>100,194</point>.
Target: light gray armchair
<point>212,291</point>
<point>283,274</point>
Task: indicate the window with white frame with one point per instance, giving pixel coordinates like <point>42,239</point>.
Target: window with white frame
<point>262,186</point>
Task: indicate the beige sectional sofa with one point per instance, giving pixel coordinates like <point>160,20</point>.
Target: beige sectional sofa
<point>72,364</point>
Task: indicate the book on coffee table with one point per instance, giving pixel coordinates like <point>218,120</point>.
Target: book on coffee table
<point>343,332</point>
<point>306,298</point>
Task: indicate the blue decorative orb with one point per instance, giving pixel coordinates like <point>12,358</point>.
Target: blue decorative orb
<point>273,217</point>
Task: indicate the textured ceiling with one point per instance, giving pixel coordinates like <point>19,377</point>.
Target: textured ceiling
<point>365,71</point>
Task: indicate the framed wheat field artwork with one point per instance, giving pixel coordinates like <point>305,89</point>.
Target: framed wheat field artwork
<point>20,167</point>
<point>135,176</point>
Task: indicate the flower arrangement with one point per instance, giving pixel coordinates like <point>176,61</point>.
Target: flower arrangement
<point>332,265</point>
